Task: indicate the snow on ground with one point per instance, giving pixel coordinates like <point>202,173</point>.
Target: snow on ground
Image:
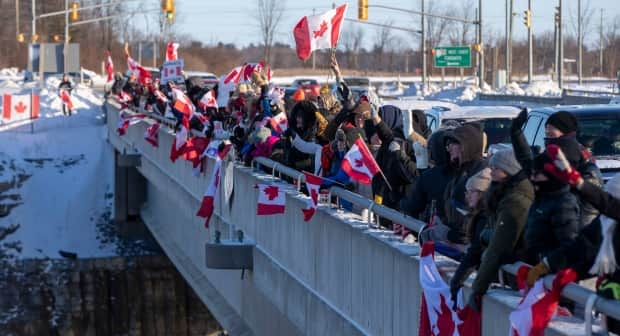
<point>56,183</point>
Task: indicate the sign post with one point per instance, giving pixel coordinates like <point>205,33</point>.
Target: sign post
<point>172,71</point>
<point>452,57</point>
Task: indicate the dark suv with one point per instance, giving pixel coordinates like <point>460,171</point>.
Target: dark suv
<point>599,131</point>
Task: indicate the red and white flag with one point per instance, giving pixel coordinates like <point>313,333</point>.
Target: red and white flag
<point>20,107</point>
<point>318,31</point>
<point>279,123</point>
<point>143,75</point>
<point>359,163</point>
<point>179,142</point>
<point>152,134</point>
<point>243,74</point>
<point>182,103</point>
<point>125,121</point>
<point>109,67</point>
<point>160,96</point>
<point>539,306</point>
<point>271,200</point>
<point>313,183</point>
<point>208,201</point>
<point>66,98</point>
<point>436,316</point>
<point>208,100</point>
<point>172,51</point>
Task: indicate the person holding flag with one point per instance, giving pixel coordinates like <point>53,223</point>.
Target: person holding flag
<point>64,90</point>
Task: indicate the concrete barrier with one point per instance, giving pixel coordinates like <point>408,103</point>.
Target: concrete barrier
<point>331,275</point>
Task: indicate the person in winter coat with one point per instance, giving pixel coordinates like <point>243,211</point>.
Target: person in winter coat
<point>476,188</point>
<point>418,138</point>
<point>561,129</point>
<point>67,86</point>
<point>431,184</point>
<point>507,203</point>
<point>596,250</point>
<point>394,157</point>
<point>308,124</point>
<point>329,106</point>
<point>464,145</point>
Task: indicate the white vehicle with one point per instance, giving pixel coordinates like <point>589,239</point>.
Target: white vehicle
<point>408,105</point>
<point>207,77</point>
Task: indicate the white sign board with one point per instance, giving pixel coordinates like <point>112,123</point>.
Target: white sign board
<point>172,71</point>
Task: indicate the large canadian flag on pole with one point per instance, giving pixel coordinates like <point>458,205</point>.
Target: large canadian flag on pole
<point>539,306</point>
<point>20,107</point>
<point>271,200</point>
<point>359,163</point>
<point>318,31</point>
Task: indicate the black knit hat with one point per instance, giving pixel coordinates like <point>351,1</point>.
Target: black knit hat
<point>564,121</point>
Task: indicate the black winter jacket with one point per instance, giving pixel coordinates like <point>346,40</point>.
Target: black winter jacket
<point>473,256</point>
<point>553,222</point>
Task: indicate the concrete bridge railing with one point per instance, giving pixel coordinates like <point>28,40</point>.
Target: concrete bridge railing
<point>331,275</point>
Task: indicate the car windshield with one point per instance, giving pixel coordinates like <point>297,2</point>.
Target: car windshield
<point>496,129</point>
<point>600,136</point>
<point>357,81</point>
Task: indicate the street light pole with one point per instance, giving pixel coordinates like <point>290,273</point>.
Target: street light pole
<point>530,51</point>
<point>561,44</point>
<point>423,49</point>
<point>66,47</point>
<point>507,54</point>
<point>579,43</point>
<point>481,53</point>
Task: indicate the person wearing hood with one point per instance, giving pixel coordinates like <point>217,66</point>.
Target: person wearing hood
<point>430,187</point>
<point>306,125</point>
<point>464,145</point>
<point>507,203</point>
<point>561,129</point>
<point>596,250</point>
<point>394,157</point>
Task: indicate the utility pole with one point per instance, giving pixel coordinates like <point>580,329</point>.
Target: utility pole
<point>530,49</point>
<point>509,44</point>
<point>140,52</point>
<point>561,45</point>
<point>423,48</point>
<point>154,54</point>
<point>579,43</point>
<point>507,54</point>
<point>66,49</point>
<point>314,53</point>
<point>16,18</point>
<point>600,54</point>
<point>481,53</point>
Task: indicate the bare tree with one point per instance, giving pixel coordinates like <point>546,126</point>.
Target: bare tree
<point>460,32</point>
<point>352,42</point>
<point>612,51</point>
<point>587,13</point>
<point>383,40</point>
<point>269,17</point>
<point>435,27</point>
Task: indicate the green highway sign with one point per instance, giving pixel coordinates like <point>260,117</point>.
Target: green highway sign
<point>452,57</point>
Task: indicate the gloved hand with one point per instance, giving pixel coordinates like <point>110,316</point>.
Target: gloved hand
<point>394,146</point>
<point>475,302</point>
<point>519,121</point>
<point>374,113</point>
<point>437,232</point>
<point>259,78</point>
<point>561,168</point>
<point>536,272</point>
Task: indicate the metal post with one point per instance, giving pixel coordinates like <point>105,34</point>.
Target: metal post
<point>480,41</point>
<point>423,48</point>
<point>600,55</point>
<point>314,53</point>
<point>154,54</point>
<point>66,48</point>
<point>579,43</point>
<point>556,48</point>
<point>561,45</point>
<point>507,40</point>
<point>140,52</point>
<point>16,18</point>
<point>530,50</point>
<point>34,18</point>
<point>510,25</point>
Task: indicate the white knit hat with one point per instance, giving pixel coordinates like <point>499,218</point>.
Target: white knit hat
<point>480,181</point>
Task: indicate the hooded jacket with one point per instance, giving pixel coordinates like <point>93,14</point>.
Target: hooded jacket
<point>471,141</point>
<point>311,130</point>
<point>399,166</point>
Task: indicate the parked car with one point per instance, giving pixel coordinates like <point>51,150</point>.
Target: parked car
<point>599,131</point>
<point>495,120</point>
<point>408,105</point>
<point>208,78</point>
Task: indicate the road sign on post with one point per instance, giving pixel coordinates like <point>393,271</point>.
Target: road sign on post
<point>452,57</point>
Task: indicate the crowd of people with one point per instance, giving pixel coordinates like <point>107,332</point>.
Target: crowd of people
<point>545,206</point>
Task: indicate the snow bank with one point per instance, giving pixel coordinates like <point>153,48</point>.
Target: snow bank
<point>57,182</point>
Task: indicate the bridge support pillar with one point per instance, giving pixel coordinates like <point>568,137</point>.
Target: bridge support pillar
<point>129,187</point>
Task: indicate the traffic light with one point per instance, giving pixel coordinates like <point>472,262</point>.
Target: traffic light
<point>362,10</point>
<point>20,38</point>
<point>75,15</point>
<point>527,18</point>
<point>35,37</point>
<point>558,16</point>
<point>477,47</point>
<point>56,38</point>
<point>168,7</point>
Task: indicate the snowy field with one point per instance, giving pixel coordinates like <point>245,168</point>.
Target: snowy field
<point>57,181</point>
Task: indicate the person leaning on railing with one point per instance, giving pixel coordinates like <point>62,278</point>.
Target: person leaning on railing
<point>596,249</point>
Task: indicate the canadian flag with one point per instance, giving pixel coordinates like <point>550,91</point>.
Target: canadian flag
<point>125,121</point>
<point>208,200</point>
<point>152,134</point>
<point>66,98</point>
<point>279,123</point>
<point>539,306</point>
<point>359,164</point>
<point>171,51</point>
<point>244,72</point>
<point>179,141</point>
<point>313,183</point>
<point>20,107</point>
<point>208,100</point>
<point>318,31</point>
<point>271,200</point>
<point>182,103</point>
<point>109,67</point>
<point>160,96</point>
<point>143,75</point>
<point>436,316</point>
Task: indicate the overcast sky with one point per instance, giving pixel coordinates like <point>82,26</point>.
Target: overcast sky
<point>234,21</point>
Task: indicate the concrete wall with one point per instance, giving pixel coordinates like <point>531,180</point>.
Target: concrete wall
<point>331,275</point>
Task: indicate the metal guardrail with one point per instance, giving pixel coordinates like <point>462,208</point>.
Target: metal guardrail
<point>566,92</point>
<point>573,292</point>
